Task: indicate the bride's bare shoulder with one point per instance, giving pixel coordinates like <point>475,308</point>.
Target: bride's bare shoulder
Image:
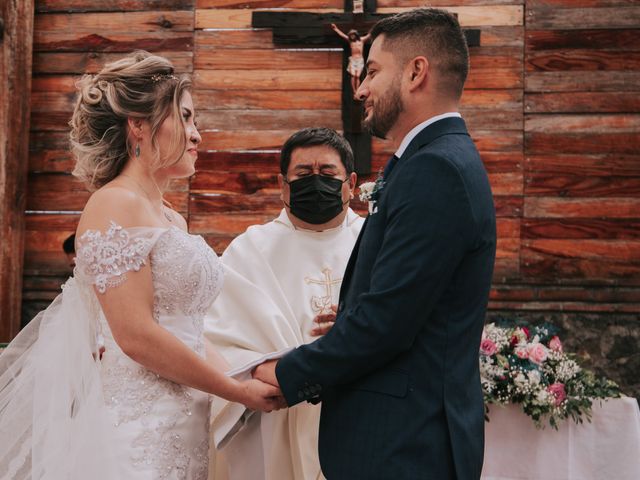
<point>112,203</point>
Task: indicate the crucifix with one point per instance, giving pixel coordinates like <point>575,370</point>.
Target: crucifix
<point>323,304</point>
<point>313,30</point>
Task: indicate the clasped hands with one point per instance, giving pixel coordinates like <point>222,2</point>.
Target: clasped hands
<point>266,372</point>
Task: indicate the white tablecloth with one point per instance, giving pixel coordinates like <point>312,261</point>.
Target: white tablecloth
<point>608,448</point>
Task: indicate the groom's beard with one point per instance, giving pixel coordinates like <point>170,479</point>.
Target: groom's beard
<point>385,112</point>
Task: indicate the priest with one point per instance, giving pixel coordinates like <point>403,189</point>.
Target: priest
<point>281,284</point>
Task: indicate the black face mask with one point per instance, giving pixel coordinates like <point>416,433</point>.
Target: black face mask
<point>316,199</point>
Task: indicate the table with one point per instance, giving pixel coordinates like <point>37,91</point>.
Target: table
<point>608,448</point>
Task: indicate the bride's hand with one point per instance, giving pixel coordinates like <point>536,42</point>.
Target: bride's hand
<point>258,395</point>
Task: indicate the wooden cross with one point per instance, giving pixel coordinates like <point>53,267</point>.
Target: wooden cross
<point>306,29</point>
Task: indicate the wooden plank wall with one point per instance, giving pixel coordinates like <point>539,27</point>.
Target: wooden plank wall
<point>580,230</point>
<point>552,102</point>
<point>16,37</point>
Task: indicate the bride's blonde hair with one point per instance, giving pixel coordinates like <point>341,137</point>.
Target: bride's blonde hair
<point>140,86</point>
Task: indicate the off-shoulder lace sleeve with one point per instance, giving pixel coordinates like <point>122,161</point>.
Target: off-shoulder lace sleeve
<point>104,258</point>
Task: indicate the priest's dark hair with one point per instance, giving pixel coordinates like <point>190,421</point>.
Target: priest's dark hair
<point>431,32</point>
<point>310,137</point>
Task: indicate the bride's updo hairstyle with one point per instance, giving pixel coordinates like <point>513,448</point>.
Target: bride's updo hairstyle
<point>140,86</point>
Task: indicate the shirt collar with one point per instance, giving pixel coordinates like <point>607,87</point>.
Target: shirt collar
<point>418,128</point>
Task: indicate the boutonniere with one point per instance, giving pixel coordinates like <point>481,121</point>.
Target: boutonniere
<point>370,191</point>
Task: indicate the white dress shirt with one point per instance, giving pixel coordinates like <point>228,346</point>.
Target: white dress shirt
<point>421,126</point>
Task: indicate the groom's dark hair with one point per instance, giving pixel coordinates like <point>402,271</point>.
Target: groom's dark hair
<point>310,137</point>
<point>431,32</point>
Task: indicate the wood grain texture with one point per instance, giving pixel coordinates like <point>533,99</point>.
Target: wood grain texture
<point>259,59</point>
<point>468,16</point>
<point>268,119</point>
<point>604,260</point>
<point>80,6</point>
<point>147,21</point>
<point>583,102</point>
<point>328,79</point>
<point>584,60</point>
<point>15,89</point>
<point>581,186</point>
<point>591,39</point>
<point>552,18</point>
<point>599,208</point>
<point>596,165</point>
<point>264,4</point>
<point>587,143</point>
<point>585,229</point>
<point>92,62</point>
<point>122,42</point>
<point>582,81</point>
<point>266,100</point>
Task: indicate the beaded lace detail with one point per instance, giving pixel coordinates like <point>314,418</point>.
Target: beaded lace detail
<point>106,257</point>
<point>132,391</point>
<point>184,284</point>
<point>187,276</point>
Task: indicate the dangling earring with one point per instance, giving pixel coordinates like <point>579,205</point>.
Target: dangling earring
<point>137,150</point>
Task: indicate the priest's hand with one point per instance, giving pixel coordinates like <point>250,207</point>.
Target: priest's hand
<point>324,322</point>
<point>266,372</point>
<point>258,395</point>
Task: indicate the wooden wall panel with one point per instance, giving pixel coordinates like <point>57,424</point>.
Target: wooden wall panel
<point>552,101</point>
<point>581,220</point>
<point>16,36</point>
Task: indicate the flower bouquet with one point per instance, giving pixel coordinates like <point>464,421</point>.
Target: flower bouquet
<point>527,365</point>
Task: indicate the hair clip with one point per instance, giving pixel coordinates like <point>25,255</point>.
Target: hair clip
<point>159,77</point>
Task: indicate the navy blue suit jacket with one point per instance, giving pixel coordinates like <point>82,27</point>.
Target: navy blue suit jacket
<point>398,374</point>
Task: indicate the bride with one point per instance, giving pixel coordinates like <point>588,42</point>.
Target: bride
<point>142,283</point>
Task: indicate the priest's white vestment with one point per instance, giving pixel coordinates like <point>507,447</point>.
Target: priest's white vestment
<point>277,279</point>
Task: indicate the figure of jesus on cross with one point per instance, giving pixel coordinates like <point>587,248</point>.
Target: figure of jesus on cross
<point>356,60</point>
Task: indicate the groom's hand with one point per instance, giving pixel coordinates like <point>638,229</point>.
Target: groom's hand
<point>266,372</point>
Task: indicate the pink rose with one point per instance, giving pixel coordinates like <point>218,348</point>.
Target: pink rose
<point>555,344</point>
<point>557,389</point>
<point>537,353</point>
<point>487,347</point>
<point>522,353</point>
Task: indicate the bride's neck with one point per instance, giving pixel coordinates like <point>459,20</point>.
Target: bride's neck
<point>143,179</point>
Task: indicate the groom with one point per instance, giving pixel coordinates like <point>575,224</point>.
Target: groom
<point>398,373</point>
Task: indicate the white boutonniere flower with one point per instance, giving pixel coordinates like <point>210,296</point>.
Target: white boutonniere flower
<point>369,192</point>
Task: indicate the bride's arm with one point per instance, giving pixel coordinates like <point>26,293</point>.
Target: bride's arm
<point>128,308</point>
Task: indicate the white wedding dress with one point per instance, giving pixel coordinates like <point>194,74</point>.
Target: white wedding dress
<point>66,414</point>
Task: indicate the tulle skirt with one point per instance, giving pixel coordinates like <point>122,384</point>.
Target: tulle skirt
<point>53,418</point>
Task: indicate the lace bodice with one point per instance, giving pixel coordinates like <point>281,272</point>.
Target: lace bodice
<point>187,274</point>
